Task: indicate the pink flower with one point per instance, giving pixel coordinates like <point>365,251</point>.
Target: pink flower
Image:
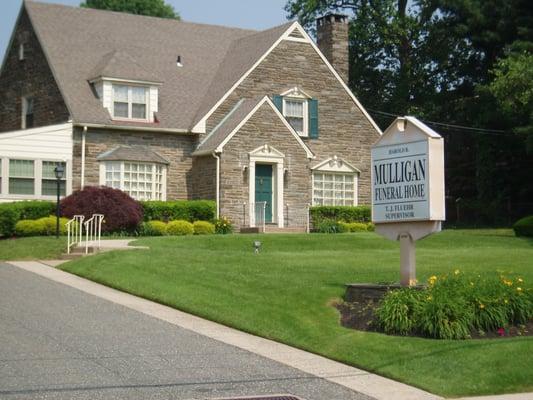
<point>501,331</point>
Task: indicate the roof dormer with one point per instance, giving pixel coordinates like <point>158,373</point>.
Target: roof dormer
<point>126,89</point>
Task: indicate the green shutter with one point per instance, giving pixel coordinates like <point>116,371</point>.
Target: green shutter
<point>313,118</point>
<point>278,102</point>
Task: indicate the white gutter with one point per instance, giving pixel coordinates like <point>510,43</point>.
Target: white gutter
<point>217,157</point>
<point>134,128</point>
<point>82,180</point>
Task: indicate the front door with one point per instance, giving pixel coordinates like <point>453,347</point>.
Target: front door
<point>263,188</point>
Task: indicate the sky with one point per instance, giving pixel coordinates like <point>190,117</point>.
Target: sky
<point>251,14</point>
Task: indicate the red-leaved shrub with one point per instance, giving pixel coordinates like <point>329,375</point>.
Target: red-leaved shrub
<point>121,212</point>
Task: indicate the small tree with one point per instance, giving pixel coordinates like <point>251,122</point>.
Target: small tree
<point>153,8</point>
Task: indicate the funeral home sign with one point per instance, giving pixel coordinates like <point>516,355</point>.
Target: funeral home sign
<point>408,174</point>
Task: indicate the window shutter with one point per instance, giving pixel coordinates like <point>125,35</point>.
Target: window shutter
<point>313,118</point>
<point>278,102</point>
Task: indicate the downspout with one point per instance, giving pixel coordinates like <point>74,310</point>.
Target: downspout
<point>217,157</point>
<point>82,179</point>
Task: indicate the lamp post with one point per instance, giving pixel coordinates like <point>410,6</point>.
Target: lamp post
<point>58,171</point>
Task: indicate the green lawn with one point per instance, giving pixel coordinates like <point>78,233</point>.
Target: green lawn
<point>285,292</point>
<point>32,248</point>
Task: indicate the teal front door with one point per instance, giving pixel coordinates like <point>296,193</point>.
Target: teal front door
<point>263,189</point>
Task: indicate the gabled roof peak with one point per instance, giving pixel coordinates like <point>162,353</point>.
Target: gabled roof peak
<point>120,64</point>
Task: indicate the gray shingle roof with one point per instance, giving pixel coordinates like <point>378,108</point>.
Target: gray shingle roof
<point>119,64</point>
<point>132,153</point>
<point>78,42</point>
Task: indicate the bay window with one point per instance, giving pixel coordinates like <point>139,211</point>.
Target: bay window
<point>142,181</point>
<point>334,189</point>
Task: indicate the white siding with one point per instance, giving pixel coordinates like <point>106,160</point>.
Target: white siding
<point>107,96</point>
<point>50,143</point>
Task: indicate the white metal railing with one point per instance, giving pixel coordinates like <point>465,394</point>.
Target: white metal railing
<point>93,230</point>
<point>298,216</point>
<point>258,213</point>
<point>74,231</point>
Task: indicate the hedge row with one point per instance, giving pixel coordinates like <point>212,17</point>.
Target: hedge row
<point>11,213</point>
<point>176,228</point>
<point>195,210</point>
<point>192,210</point>
<point>340,213</point>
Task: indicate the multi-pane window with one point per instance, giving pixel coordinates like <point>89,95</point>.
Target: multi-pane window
<point>49,181</point>
<point>295,111</point>
<point>142,181</point>
<point>334,189</point>
<point>21,177</point>
<point>130,102</point>
<point>27,112</point>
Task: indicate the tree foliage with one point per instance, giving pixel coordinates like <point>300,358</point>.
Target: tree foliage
<point>153,8</point>
<point>448,61</point>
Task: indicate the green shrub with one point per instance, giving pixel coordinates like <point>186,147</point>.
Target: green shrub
<point>180,228</point>
<point>356,227</point>
<point>8,219</point>
<point>223,226</point>
<point>454,305</point>
<point>29,227</point>
<point>340,213</point>
<point>203,228</point>
<point>10,213</point>
<point>49,225</point>
<point>193,210</point>
<point>330,226</point>
<point>154,228</point>
<point>397,311</point>
<point>524,227</point>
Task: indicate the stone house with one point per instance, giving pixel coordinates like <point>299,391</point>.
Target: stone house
<point>262,122</point>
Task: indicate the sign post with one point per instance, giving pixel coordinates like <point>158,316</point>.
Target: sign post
<point>408,187</point>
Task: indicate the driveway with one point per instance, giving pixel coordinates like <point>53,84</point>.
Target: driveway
<point>60,343</point>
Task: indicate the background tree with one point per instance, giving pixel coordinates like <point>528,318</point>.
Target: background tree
<point>436,59</point>
<point>153,8</point>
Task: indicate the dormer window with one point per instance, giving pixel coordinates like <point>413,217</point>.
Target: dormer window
<point>130,102</point>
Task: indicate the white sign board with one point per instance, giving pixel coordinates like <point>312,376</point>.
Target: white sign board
<point>400,182</point>
<point>408,174</point>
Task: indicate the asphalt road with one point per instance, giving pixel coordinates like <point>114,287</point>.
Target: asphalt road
<point>59,343</point>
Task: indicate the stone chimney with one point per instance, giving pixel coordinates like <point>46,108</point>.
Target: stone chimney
<point>332,40</point>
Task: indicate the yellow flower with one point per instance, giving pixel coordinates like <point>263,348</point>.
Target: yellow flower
<point>520,280</point>
<point>506,301</point>
<point>518,289</point>
<point>430,298</point>
<point>481,305</point>
<point>471,283</point>
<point>457,272</point>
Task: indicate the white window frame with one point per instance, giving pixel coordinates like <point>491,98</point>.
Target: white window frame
<point>296,94</point>
<point>21,52</point>
<point>24,108</point>
<point>130,102</point>
<point>336,166</point>
<point>163,197</point>
<point>346,175</point>
<point>305,116</point>
<point>37,178</point>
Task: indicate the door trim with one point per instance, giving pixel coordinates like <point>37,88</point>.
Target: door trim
<point>267,155</point>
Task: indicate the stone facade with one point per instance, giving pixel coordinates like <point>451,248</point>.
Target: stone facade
<point>176,149</point>
<point>264,127</point>
<point>343,129</point>
<point>29,77</point>
<point>203,177</point>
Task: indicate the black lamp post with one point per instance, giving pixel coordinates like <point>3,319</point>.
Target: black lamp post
<point>58,171</point>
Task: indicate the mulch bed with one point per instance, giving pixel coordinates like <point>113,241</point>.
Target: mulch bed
<point>360,316</point>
